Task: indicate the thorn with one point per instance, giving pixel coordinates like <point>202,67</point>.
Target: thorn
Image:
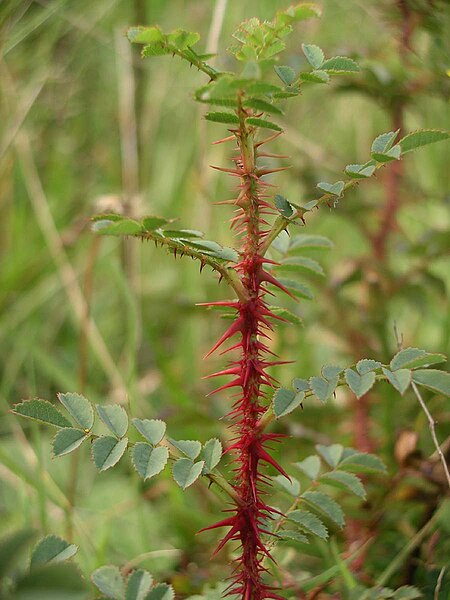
<point>269,139</point>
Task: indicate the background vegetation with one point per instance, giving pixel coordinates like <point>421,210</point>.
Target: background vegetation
<point>87,126</point>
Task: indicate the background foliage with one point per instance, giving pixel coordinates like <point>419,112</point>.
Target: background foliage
<point>70,147</point>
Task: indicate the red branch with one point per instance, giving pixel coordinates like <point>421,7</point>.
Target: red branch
<point>252,326</point>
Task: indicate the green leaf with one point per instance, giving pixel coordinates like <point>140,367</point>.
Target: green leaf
<point>51,549</point>
<point>183,39</point>
<point>79,408</point>
<point>310,466</point>
<point>107,451</point>
<point>420,138</point>
<point>12,547</point>
<point>211,248</point>
<point>300,385</point>
<point>304,263</point>
<point>340,64</point>
<point>298,289</point>
<point>359,384</point>
<point>190,448</point>
<point>149,461</point>
<point>322,388</point>
<point>384,142</point>
<point>332,188</point>
<point>285,401</point>
<point>291,486</point>
<point>122,227</point>
<point>360,462</point>
<point>211,454</point>
<point>109,581</point>
<point>393,154</point>
<point>262,105</point>
<point>42,411</point>
<point>287,534</point>
<point>366,365</point>
<point>183,234</point>
<point>433,379</point>
<point>285,314</point>
<point>412,358</point>
<point>314,55</point>
<point>309,522</point>
<point>283,206</point>
<point>114,417</point>
<point>331,454</point>
<point>360,171</point>
<point>162,591</point>
<point>326,505</point>
<point>150,223</point>
<point>263,123</point>
<point>299,12</point>
<point>153,430</point>
<point>344,481</point>
<point>138,584</point>
<point>305,240</point>
<point>145,35</point>
<point>400,379</point>
<point>331,372</point>
<point>51,582</point>
<point>286,74</point>
<point>407,592</point>
<point>222,117</point>
<point>185,471</point>
<point>316,76</point>
<point>67,440</point>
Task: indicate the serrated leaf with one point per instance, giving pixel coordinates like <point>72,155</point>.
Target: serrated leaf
<point>294,263</point>
<point>433,379</point>
<point>185,471</point>
<point>305,240</point>
<point>344,481</point>
<point>263,123</point>
<point>340,64</point>
<point>283,206</point>
<point>291,486</point>
<point>360,462</point>
<point>400,379</point>
<point>285,401</point>
<point>331,454</point>
<point>145,35</point>
<point>360,171</point>
<point>150,222</point>
<point>114,417</point>
<point>182,39</point>
<point>153,430</point>
<point>322,388</point>
<point>383,142</point>
<point>332,188</point>
<point>326,505</point>
<point>359,384</point>
<point>190,448</point>
<point>67,440</point>
<point>412,358</point>
<point>211,454</point>
<point>162,591</point>
<point>308,522</point>
<point>299,12</point>
<point>149,461</point>
<point>107,451</point>
<point>300,385</point>
<point>42,411</point>
<point>222,117</point>
<point>286,74</point>
<point>183,234</point>
<point>298,289</point>
<point>138,584</point>
<point>331,372</point>
<point>287,534</point>
<point>417,139</point>
<point>122,227</point>
<point>314,55</point>
<point>51,549</point>
<point>310,466</point>
<point>79,408</point>
<point>285,314</point>
<point>316,76</point>
<point>109,581</point>
<point>263,106</point>
<point>366,365</point>
<point>211,248</point>
<point>393,154</point>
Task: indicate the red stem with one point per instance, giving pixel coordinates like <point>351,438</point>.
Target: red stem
<point>249,374</point>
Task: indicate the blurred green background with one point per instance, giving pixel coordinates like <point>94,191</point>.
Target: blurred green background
<point>87,126</point>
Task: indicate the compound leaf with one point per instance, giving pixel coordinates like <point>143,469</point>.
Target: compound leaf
<point>326,505</point>
<point>114,417</point>
<point>152,430</point>
<point>359,384</point>
<point>340,64</point>
<point>331,454</point>
<point>42,411</point>
<point>67,440</point>
<point>222,117</point>
<point>309,522</point>
<point>51,549</point>
<point>400,379</point>
<point>107,451</point>
<point>190,448</point>
<point>433,379</point>
<point>138,584</point>
<point>344,481</point>
<point>149,461</point>
<point>109,581</point>
<point>211,454</point>
<point>413,358</point>
<point>314,55</point>
<point>79,408</point>
<point>285,401</point>
<point>185,471</point>
<point>417,139</point>
<point>310,466</point>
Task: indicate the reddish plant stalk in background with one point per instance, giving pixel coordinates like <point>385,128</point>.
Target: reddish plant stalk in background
<point>249,371</point>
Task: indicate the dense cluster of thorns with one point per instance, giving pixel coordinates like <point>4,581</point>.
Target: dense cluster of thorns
<point>248,521</point>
